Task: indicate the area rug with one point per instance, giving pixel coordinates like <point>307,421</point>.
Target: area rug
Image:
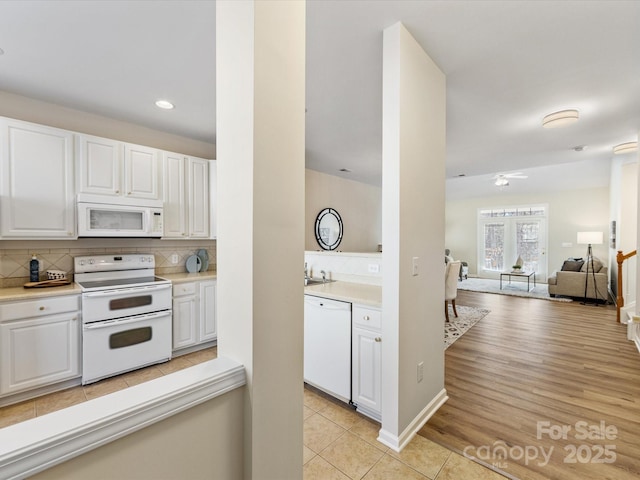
<point>457,326</point>
<point>515,288</point>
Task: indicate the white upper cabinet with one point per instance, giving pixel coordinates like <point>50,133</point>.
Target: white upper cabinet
<point>99,165</point>
<point>213,194</point>
<point>186,196</point>
<point>175,200</point>
<point>37,182</point>
<point>142,172</point>
<point>198,191</point>
<point>116,169</point>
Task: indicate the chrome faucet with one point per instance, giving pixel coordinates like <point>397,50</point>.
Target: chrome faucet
<point>306,271</point>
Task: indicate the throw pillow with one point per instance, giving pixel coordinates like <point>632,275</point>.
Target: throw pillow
<point>597,266</point>
<point>572,266</point>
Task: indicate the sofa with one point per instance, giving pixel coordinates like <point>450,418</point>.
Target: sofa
<point>569,281</point>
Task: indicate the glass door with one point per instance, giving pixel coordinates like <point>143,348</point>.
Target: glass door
<point>506,234</point>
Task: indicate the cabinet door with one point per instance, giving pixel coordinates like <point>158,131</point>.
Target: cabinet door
<point>99,165</point>
<point>175,201</point>
<point>367,369</point>
<point>208,311</point>
<point>37,186</point>
<point>184,321</point>
<point>213,192</point>
<point>38,352</point>
<point>141,172</point>
<point>198,193</point>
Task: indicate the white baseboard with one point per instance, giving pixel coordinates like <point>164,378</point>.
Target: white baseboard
<point>397,443</point>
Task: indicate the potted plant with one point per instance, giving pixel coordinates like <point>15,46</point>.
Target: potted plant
<point>517,268</point>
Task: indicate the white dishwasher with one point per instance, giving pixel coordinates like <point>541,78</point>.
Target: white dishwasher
<point>327,346</point>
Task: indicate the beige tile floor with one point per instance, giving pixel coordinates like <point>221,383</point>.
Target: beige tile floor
<point>341,444</point>
<point>338,442</point>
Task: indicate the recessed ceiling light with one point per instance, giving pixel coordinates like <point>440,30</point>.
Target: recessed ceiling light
<point>165,104</point>
<point>625,148</point>
<point>579,148</point>
<point>462,174</point>
<point>560,119</point>
<point>345,170</point>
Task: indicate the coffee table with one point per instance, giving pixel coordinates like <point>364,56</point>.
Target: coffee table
<point>519,274</point>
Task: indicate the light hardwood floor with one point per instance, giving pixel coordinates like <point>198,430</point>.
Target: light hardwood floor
<point>531,368</point>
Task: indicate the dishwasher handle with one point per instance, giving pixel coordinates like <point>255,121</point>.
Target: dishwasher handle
<point>326,303</point>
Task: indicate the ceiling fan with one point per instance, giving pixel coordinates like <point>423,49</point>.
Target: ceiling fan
<point>502,179</point>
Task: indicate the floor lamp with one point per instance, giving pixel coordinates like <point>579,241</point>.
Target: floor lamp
<point>590,238</point>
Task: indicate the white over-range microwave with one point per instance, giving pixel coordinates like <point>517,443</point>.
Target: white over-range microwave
<point>142,219</point>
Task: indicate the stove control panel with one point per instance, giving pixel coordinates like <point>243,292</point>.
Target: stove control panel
<point>108,263</point>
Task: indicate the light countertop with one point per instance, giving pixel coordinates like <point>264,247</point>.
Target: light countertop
<point>360,293</point>
<point>190,277</point>
<point>21,293</point>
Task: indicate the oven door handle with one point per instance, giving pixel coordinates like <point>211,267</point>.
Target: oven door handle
<point>120,291</point>
<point>126,320</point>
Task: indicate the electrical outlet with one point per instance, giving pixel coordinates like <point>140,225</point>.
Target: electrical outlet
<point>420,371</point>
<point>174,258</point>
<point>374,268</point>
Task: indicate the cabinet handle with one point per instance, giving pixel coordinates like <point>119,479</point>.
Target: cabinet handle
<point>378,339</point>
<point>41,308</point>
<point>74,319</point>
<point>366,317</point>
<point>128,193</point>
<point>118,191</point>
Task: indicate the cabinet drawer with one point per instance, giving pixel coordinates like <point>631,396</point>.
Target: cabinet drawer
<point>39,307</point>
<point>184,289</point>
<point>367,317</point>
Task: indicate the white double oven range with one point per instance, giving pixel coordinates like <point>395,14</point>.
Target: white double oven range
<point>126,314</point>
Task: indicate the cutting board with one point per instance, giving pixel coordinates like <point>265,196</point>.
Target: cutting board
<point>47,283</point>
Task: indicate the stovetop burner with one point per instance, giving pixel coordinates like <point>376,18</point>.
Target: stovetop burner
<point>120,282</point>
<point>107,272</point>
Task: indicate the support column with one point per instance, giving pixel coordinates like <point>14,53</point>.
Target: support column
<point>413,180</point>
<point>260,96</point>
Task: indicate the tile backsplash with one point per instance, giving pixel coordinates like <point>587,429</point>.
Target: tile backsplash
<point>14,262</point>
<point>346,266</point>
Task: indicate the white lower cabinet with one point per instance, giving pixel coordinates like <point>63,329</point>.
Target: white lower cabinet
<point>194,313</point>
<point>40,343</point>
<point>366,389</point>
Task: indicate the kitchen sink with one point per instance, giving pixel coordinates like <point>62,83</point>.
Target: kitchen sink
<point>316,281</point>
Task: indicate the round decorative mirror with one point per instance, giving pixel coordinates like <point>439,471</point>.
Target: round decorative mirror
<point>328,229</point>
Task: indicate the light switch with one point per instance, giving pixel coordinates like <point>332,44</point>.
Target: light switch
<point>414,264</point>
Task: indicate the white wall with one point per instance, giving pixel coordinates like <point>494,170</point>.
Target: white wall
<point>624,211</point>
<point>413,179</point>
<point>570,211</point>
<point>359,205</point>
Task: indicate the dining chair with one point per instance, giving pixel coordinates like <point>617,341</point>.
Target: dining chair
<point>451,275</point>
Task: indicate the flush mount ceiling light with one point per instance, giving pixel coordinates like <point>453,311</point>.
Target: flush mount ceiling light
<point>560,119</point>
<point>164,104</point>
<point>625,148</point>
